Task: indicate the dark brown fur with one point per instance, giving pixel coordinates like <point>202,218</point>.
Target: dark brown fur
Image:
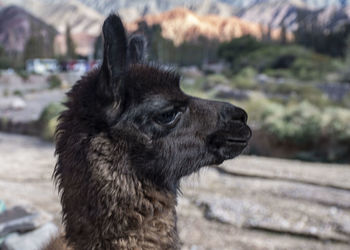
<point>122,153</point>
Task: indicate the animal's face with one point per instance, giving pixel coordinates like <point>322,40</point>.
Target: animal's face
<point>169,134</point>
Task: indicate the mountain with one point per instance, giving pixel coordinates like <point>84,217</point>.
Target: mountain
<point>136,8</point>
<point>273,14</point>
<point>314,4</point>
<point>331,18</point>
<point>17,26</point>
<point>59,13</point>
<point>85,22</point>
<point>181,25</point>
<point>131,10</point>
<point>204,18</point>
<point>277,14</point>
<point>86,16</point>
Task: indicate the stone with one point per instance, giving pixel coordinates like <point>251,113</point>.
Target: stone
<point>226,92</point>
<point>17,219</point>
<point>34,240</point>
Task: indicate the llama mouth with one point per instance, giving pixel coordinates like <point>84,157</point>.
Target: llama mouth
<point>237,141</point>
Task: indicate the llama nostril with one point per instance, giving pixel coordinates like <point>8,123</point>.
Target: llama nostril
<point>243,115</point>
<point>230,112</point>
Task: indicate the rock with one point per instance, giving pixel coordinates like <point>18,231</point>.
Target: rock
<point>191,71</point>
<point>12,103</point>
<point>31,241</point>
<point>18,103</point>
<point>288,217</point>
<point>17,219</point>
<point>226,92</point>
<point>214,68</point>
<point>262,78</point>
<point>22,219</point>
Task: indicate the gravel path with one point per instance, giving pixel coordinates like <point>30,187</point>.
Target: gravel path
<point>246,203</point>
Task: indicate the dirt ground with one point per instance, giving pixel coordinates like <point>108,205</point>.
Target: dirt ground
<point>247,203</point>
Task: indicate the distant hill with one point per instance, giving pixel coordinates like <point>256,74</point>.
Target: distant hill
<point>331,13</point>
<point>17,26</point>
<point>59,13</point>
<point>86,16</point>
<point>285,13</point>
<point>274,14</point>
<point>85,22</point>
<point>222,19</point>
<point>137,8</point>
<point>181,25</point>
<point>302,3</point>
<point>131,10</point>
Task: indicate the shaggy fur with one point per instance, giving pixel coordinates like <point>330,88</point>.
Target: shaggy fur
<point>128,136</point>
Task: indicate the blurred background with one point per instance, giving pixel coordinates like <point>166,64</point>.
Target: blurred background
<point>286,62</point>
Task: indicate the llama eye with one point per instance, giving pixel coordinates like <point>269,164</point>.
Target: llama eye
<point>167,118</point>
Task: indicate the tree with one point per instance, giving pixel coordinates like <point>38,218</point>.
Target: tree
<point>269,33</point>
<point>98,48</point>
<point>233,50</point>
<point>312,35</point>
<point>4,59</point>
<point>34,48</point>
<point>70,44</point>
<point>284,38</point>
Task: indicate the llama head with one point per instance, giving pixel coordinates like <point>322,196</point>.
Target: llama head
<point>168,134</point>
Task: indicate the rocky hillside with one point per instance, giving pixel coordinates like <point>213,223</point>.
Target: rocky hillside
<point>274,14</point>
<point>267,12</point>
<point>85,22</point>
<point>131,10</point>
<point>85,15</point>
<point>183,25</point>
<point>17,26</point>
<point>213,19</point>
<point>285,13</point>
<point>142,7</point>
<point>306,3</point>
<point>81,18</point>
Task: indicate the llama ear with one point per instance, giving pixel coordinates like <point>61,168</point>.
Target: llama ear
<point>137,49</point>
<point>115,46</point>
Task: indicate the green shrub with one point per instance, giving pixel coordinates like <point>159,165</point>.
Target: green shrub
<point>335,123</point>
<point>346,100</point>
<point>6,92</point>
<point>54,82</point>
<point>299,124</point>
<point>299,92</point>
<point>245,79</point>
<point>4,122</point>
<point>284,89</point>
<point>17,92</point>
<point>217,79</point>
<point>5,61</point>
<point>313,95</point>
<point>23,74</point>
<point>236,48</point>
<point>311,67</point>
<point>279,73</point>
<point>319,134</point>
<point>286,61</point>
<point>48,120</point>
<point>259,108</point>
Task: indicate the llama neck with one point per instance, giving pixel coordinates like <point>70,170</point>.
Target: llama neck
<point>115,210</point>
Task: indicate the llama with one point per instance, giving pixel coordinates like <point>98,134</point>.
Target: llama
<point>127,137</point>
